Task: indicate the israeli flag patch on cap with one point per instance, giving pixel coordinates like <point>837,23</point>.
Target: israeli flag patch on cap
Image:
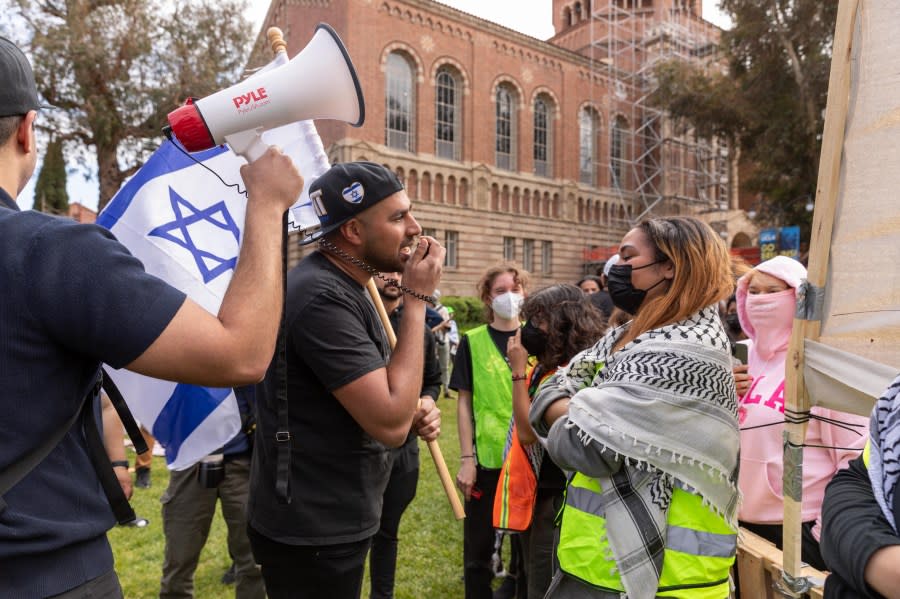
<point>354,193</point>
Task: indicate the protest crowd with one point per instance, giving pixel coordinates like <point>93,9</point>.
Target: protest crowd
<point>614,432</point>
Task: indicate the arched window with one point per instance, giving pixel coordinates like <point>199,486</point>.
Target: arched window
<point>588,136</point>
<point>506,127</point>
<point>400,113</point>
<point>543,136</point>
<point>447,127</point>
<point>618,153</point>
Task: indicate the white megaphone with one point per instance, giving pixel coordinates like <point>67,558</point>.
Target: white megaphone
<point>318,83</point>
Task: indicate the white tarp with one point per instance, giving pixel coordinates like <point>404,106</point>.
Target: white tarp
<point>859,350</point>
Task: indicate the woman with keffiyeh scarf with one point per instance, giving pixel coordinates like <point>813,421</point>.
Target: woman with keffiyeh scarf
<point>647,420</point>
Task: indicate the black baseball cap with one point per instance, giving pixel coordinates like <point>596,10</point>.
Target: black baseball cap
<point>347,189</point>
<point>18,93</point>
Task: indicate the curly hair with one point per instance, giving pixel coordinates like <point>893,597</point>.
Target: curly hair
<point>573,323</point>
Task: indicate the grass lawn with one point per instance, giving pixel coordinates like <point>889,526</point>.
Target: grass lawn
<point>429,563</point>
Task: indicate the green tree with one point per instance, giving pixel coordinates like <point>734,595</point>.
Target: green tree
<point>50,193</point>
<point>769,99</point>
<point>117,67</point>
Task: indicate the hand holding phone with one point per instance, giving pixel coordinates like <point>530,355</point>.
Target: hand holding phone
<point>740,352</point>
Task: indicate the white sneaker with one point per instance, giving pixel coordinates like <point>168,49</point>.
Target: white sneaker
<point>158,450</point>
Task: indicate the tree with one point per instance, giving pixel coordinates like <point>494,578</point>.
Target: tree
<point>769,100</point>
<point>117,67</point>
<point>50,193</point>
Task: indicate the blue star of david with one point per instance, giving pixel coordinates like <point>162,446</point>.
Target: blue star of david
<point>181,224</point>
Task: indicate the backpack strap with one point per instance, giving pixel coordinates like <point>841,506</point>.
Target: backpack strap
<point>96,451</point>
<point>103,467</point>
<point>283,431</point>
<point>125,415</point>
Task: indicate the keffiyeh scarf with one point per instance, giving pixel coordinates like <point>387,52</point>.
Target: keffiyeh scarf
<point>884,450</point>
<point>665,405</point>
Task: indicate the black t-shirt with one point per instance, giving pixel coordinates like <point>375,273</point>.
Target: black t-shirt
<point>71,297</point>
<point>338,472</point>
<point>461,378</point>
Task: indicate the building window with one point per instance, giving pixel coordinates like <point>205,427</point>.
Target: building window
<point>429,232</point>
<point>401,103</point>
<point>542,137</point>
<point>547,257</point>
<point>451,245</point>
<point>509,249</point>
<point>528,254</point>
<point>447,115</point>
<point>506,128</point>
<point>618,152</point>
<point>588,129</point>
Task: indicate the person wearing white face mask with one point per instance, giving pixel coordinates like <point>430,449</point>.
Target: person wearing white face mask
<point>483,379</point>
<point>766,300</point>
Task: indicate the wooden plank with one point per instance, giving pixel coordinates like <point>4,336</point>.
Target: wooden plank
<point>754,580</point>
<point>760,565</point>
<point>796,396</point>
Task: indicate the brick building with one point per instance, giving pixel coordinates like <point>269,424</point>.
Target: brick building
<point>513,148</point>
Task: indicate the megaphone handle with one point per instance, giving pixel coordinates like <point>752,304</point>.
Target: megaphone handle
<point>248,144</point>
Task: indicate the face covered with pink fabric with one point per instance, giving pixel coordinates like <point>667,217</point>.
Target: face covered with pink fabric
<point>770,308</point>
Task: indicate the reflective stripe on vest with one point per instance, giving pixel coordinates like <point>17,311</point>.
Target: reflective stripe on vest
<point>491,397</point>
<point>700,546</point>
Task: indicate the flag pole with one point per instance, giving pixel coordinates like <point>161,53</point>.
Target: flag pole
<point>433,446</point>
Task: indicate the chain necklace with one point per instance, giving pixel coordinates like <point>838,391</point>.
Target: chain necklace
<point>330,247</point>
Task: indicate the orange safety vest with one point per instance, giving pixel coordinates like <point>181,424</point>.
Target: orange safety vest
<point>517,485</point>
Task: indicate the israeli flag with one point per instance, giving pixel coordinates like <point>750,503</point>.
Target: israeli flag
<point>186,226</point>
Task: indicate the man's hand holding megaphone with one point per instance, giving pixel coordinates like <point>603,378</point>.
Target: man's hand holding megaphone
<point>272,182</point>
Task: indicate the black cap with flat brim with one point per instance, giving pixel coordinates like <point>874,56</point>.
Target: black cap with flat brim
<point>347,189</point>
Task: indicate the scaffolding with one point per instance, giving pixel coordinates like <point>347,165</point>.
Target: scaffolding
<point>670,170</point>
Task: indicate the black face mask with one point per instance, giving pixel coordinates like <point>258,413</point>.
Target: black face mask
<point>733,323</point>
<point>624,295</point>
<point>534,340</point>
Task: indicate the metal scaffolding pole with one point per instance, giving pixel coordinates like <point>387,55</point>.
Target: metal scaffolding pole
<point>666,169</point>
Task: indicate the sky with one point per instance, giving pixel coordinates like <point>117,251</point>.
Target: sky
<point>531,17</point>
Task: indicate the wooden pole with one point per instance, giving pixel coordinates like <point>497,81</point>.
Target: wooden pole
<point>796,395</point>
<point>433,447</point>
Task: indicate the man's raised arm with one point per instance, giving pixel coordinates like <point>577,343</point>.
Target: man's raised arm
<point>235,347</point>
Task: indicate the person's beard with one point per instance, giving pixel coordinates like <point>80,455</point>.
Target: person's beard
<point>392,263</point>
<point>390,291</point>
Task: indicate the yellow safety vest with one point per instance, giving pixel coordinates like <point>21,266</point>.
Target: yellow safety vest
<point>491,397</point>
<point>699,553</point>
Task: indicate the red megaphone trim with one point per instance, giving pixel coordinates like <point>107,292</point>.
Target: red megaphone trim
<point>190,127</point>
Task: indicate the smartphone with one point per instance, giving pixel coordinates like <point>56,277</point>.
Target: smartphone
<point>740,352</point>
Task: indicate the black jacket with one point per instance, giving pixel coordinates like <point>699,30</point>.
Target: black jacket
<point>853,528</point>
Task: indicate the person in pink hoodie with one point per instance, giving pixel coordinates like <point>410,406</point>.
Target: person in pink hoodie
<point>766,301</point>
